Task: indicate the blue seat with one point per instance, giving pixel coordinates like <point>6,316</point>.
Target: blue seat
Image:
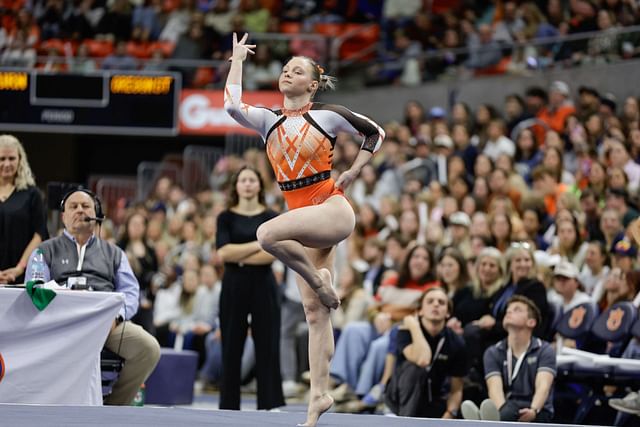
<point>576,323</point>
<point>171,382</point>
<point>631,353</point>
<point>614,327</point>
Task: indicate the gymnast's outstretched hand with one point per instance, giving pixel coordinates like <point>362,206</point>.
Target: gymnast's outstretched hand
<point>240,49</point>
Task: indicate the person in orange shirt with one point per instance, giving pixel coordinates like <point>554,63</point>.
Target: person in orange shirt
<point>559,108</point>
<point>545,183</point>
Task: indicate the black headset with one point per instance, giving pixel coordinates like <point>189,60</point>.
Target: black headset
<point>96,201</point>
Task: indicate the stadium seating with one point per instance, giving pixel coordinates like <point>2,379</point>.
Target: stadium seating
<point>99,48</point>
<point>290,27</point>
<point>593,371</point>
<point>360,38</point>
<point>576,323</point>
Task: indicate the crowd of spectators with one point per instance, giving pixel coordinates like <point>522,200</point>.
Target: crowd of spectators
<point>417,40</point>
<point>536,196</point>
<point>87,35</point>
<point>461,38</point>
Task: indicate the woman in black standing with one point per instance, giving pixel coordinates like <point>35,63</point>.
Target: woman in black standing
<point>22,217</point>
<point>248,288</point>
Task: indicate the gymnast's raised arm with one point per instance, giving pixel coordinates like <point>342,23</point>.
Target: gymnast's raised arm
<point>246,115</point>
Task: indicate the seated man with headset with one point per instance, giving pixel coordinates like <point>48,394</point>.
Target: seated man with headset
<point>82,260</point>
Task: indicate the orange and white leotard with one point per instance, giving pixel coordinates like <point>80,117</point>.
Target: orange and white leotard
<point>300,143</point>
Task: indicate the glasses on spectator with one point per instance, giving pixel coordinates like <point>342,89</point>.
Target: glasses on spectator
<point>522,245</point>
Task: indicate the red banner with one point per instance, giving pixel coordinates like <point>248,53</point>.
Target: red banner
<point>202,111</point>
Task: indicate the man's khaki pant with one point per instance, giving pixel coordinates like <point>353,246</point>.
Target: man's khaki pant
<point>141,353</point>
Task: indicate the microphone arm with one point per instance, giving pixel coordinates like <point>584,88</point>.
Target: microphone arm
<point>89,219</point>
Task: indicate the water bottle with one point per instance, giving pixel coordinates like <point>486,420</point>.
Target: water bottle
<point>138,400</point>
<point>37,267</point>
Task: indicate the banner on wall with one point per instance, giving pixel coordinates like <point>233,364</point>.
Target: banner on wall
<point>202,111</point>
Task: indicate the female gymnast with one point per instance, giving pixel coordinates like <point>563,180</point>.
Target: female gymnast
<point>299,140</point>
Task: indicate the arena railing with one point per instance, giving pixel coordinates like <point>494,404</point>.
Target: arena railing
<point>116,192</point>
<point>149,173</point>
<point>199,167</point>
<point>238,144</point>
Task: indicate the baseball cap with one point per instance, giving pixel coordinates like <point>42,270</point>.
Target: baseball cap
<point>459,218</point>
<point>566,269</point>
<point>560,86</point>
<point>624,247</point>
<point>443,141</point>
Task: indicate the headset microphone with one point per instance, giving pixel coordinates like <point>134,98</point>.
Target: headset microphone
<point>89,219</point>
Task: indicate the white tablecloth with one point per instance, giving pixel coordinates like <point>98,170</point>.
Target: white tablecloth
<point>53,356</point>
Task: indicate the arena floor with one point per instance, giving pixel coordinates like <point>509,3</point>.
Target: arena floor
<point>40,416</point>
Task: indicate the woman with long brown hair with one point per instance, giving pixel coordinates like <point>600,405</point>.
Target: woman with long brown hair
<point>570,242</point>
<point>454,276</point>
<point>360,351</point>
<point>619,286</point>
<point>144,264</point>
<point>248,288</point>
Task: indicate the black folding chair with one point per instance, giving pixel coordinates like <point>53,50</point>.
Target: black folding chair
<point>110,366</point>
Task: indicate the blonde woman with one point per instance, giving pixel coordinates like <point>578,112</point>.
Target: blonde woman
<point>489,274</point>
<point>520,279</point>
<point>23,223</point>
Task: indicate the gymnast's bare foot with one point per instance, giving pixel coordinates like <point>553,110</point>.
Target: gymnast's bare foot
<point>317,406</point>
<point>326,293</point>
